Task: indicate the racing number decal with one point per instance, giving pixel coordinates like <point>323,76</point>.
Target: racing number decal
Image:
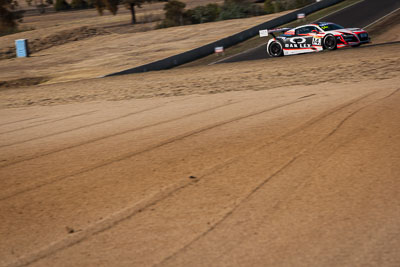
<point>316,41</point>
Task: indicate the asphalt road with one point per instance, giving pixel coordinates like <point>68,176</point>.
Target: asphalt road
<point>359,15</point>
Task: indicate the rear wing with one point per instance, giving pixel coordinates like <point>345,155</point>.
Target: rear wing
<point>265,33</point>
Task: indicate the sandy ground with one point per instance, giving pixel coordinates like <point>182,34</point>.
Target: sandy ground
<point>283,162</point>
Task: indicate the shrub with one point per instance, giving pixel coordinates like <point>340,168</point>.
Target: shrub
<point>302,3</point>
<point>269,7</point>
<point>234,9</point>
<point>61,5</point>
<point>174,14</point>
<point>202,14</point>
<point>79,4</point>
<point>9,16</point>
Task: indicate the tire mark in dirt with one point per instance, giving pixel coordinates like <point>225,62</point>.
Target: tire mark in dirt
<point>307,96</point>
<point>135,153</point>
<point>12,122</point>
<point>77,128</point>
<point>122,157</point>
<point>130,211</point>
<point>47,122</point>
<point>354,113</point>
<point>107,136</point>
<point>291,161</point>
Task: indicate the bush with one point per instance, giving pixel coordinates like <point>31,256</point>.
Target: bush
<point>9,16</point>
<point>231,9</point>
<point>279,6</point>
<point>174,14</point>
<point>79,4</point>
<point>61,5</point>
<point>235,9</point>
<point>202,14</point>
<point>302,3</point>
<point>269,7</point>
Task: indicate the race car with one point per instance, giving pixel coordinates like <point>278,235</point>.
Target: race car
<point>313,38</point>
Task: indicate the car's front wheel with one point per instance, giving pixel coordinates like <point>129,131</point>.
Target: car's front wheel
<point>275,49</point>
<point>329,42</point>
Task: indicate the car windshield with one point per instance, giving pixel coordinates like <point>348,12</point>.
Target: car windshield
<point>330,26</point>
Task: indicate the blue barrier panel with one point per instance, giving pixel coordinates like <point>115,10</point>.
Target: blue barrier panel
<point>22,47</point>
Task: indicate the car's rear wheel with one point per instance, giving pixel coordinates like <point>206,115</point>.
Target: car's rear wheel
<point>275,49</point>
<point>329,42</point>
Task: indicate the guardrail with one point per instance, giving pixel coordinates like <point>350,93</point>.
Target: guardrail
<point>208,49</point>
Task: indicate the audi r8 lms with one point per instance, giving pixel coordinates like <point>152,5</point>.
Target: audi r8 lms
<point>313,38</point>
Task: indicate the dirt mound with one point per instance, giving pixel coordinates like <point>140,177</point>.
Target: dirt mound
<point>58,38</point>
<point>22,82</point>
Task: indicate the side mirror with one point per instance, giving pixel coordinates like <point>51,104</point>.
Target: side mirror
<point>315,31</point>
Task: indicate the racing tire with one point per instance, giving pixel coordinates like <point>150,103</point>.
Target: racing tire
<point>275,49</point>
<point>329,42</point>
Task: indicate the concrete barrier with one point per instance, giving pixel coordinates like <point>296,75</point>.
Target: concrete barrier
<point>208,49</point>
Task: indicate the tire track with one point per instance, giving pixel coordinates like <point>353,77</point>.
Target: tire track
<point>111,135</point>
<point>355,112</point>
<point>12,122</point>
<point>150,148</point>
<point>307,124</point>
<point>122,157</point>
<point>70,130</point>
<point>81,127</point>
<point>280,170</point>
<point>47,122</point>
<point>129,212</point>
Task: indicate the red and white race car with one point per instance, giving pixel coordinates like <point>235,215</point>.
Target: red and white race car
<point>313,38</point>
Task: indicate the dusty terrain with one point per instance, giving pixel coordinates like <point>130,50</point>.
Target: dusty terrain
<point>289,162</point>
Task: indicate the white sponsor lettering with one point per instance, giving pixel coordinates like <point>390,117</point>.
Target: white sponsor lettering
<point>297,45</point>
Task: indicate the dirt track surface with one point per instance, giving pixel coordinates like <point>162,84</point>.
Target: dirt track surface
<point>272,170</point>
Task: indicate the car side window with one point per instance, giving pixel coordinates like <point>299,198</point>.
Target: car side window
<point>300,31</point>
<point>305,30</point>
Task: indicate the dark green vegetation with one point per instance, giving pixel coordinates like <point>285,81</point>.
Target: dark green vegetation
<point>9,16</point>
<point>176,15</point>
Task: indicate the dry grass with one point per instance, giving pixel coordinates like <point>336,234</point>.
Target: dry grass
<point>105,54</point>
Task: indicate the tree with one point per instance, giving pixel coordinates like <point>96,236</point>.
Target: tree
<point>99,5</point>
<point>112,6</point>
<point>131,4</point>
<point>202,14</point>
<point>79,4</point>
<point>269,7</point>
<point>61,5</point>
<point>279,6</point>
<point>9,16</point>
<point>174,11</point>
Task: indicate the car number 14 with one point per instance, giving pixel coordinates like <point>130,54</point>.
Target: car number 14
<point>316,41</point>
